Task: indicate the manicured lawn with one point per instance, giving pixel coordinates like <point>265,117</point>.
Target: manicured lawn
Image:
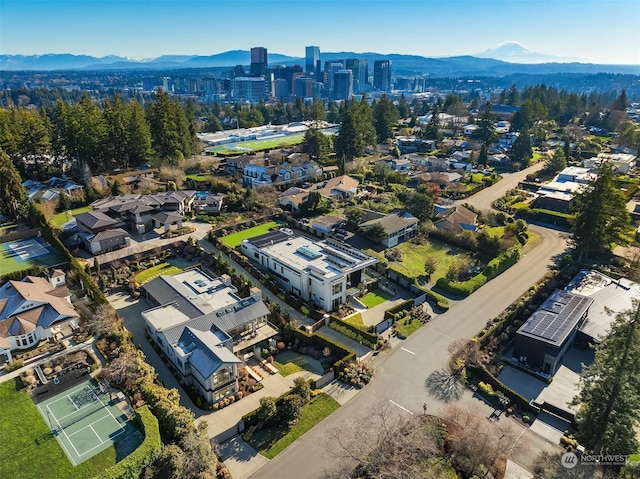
<point>30,450</point>
<point>291,362</point>
<point>235,239</point>
<point>273,440</point>
<point>356,321</point>
<point>374,298</point>
<point>287,368</point>
<point>199,177</point>
<point>414,255</point>
<point>62,218</point>
<point>406,326</point>
<point>155,271</point>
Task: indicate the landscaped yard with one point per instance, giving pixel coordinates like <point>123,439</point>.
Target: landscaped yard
<point>272,441</point>
<point>414,255</point>
<point>155,271</point>
<point>200,177</point>
<point>407,325</point>
<point>235,239</point>
<point>356,321</point>
<point>290,362</point>
<point>62,218</point>
<point>30,450</point>
<point>374,298</point>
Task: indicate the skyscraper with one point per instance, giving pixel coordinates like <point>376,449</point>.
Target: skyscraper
<point>258,61</point>
<point>382,75</point>
<point>312,62</point>
<point>342,85</point>
<point>360,69</point>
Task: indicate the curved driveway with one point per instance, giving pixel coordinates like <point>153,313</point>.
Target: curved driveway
<point>400,375</point>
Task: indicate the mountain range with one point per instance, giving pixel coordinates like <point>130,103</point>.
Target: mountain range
<point>508,58</point>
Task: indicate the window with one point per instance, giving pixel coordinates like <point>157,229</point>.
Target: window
<point>336,288</point>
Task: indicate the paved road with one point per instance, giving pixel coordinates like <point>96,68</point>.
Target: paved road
<point>483,199</point>
<point>401,375</point>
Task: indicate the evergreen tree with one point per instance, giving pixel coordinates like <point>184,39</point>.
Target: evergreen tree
<point>138,136</point>
<point>567,148</point>
<point>557,162</point>
<point>609,398</point>
<point>13,196</point>
<point>356,132</point>
<point>403,107</point>
<point>483,157</point>
<point>601,216</point>
<point>521,149</point>
<point>432,130</point>
<point>317,145</point>
<point>621,102</point>
<point>64,203</point>
<point>385,117</point>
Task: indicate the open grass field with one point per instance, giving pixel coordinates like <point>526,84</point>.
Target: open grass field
<point>30,450</point>
<point>62,218</point>
<point>235,239</point>
<point>272,441</point>
<point>255,146</point>
<point>412,264</point>
<point>155,271</point>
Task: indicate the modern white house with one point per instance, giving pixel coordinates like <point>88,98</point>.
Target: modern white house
<point>320,272</point>
<point>32,310</point>
<point>203,327</point>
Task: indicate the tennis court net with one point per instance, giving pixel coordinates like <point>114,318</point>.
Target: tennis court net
<point>83,413</point>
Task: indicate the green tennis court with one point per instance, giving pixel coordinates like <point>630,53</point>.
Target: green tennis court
<point>85,420</point>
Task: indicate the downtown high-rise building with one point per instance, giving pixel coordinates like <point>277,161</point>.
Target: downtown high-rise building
<point>360,69</point>
<point>259,62</point>
<point>312,66</point>
<point>342,85</point>
<point>382,75</point>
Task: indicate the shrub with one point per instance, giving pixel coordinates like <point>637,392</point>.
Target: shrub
<point>132,465</point>
<point>16,364</point>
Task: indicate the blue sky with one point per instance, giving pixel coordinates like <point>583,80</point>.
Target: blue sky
<point>604,31</point>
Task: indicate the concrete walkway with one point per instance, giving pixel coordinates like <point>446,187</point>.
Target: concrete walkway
<point>87,345</point>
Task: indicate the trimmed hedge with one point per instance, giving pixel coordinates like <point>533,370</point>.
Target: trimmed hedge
<point>494,268</point>
<point>484,376</point>
<point>315,339</point>
<point>350,331</point>
<point>442,303</point>
<point>556,218</point>
<point>389,313</point>
<point>132,465</point>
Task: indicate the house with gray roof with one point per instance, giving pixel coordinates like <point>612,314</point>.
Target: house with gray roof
<point>203,327</point>
<point>398,227</point>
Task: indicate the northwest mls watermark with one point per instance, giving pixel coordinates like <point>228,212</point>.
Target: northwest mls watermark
<point>569,460</point>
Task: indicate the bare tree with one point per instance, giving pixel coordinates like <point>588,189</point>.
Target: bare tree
<point>475,442</point>
<point>103,321</point>
<point>385,444</point>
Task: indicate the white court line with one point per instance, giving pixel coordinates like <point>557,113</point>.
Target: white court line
<point>65,435</point>
<point>66,451</point>
<point>403,408</point>
<point>97,435</point>
<point>105,406</point>
<point>410,352</point>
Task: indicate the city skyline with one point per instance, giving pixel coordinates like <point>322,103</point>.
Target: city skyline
<point>571,30</point>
